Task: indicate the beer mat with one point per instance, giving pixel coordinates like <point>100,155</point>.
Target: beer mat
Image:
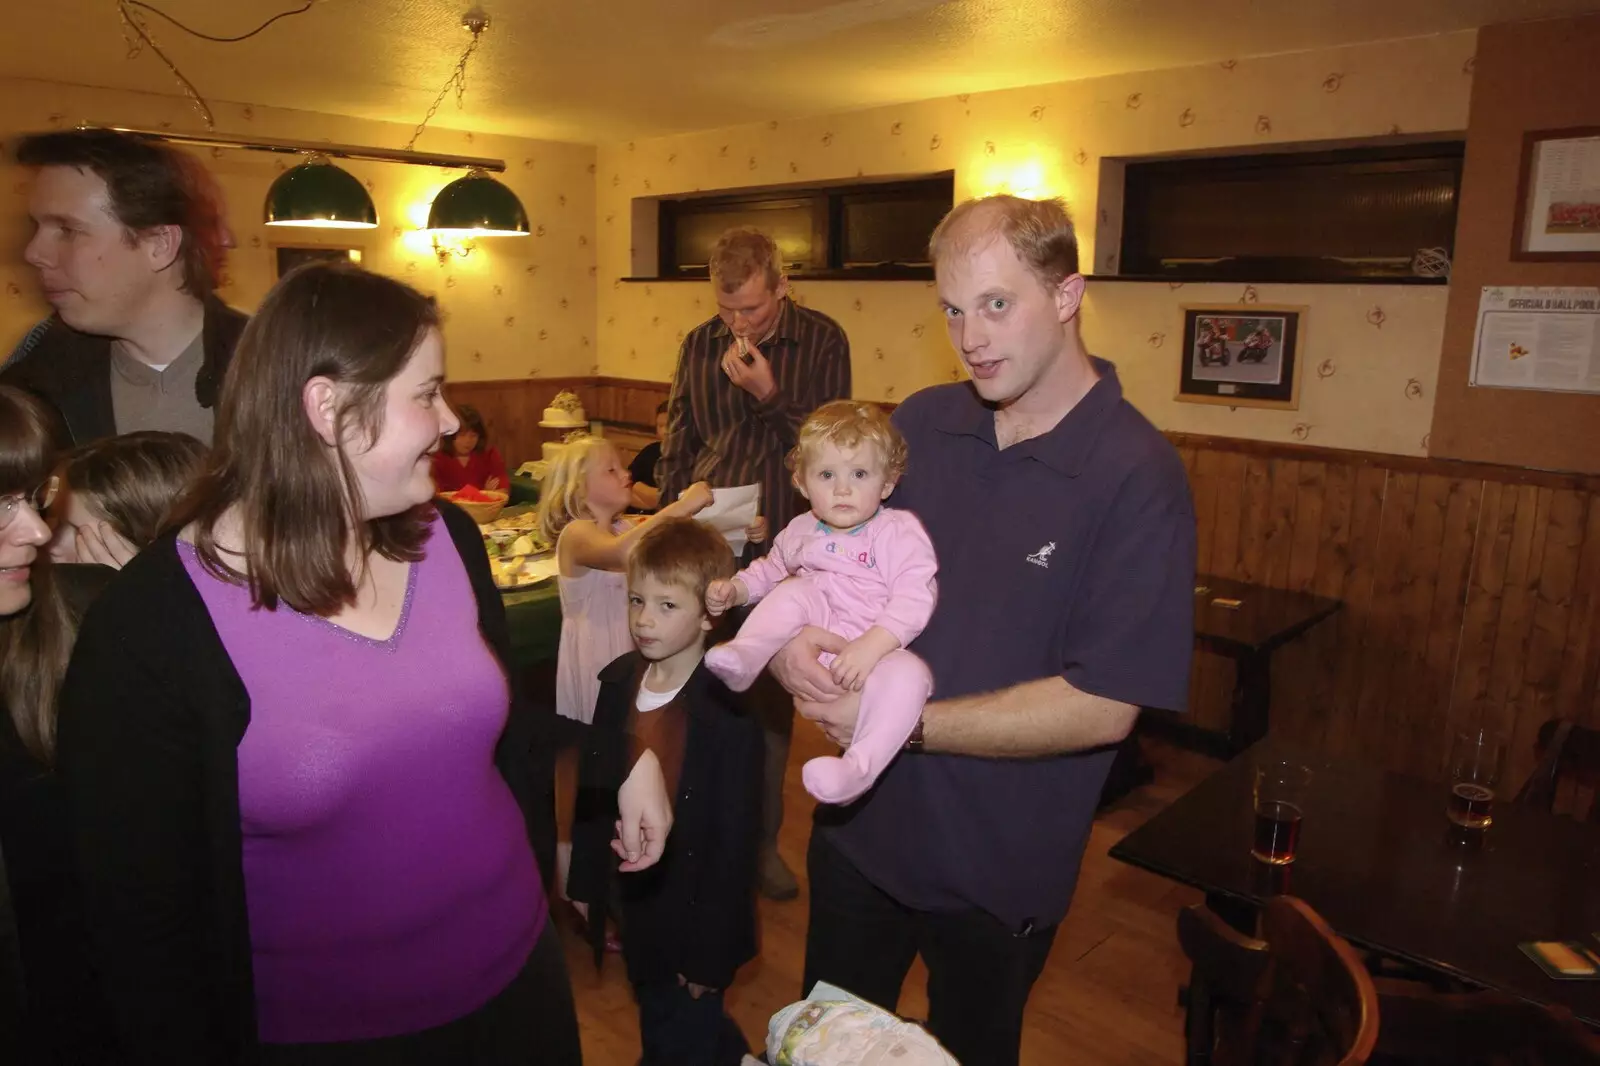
<point>1557,957</point>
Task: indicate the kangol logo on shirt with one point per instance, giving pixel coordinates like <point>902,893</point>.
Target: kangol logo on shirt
<point>1042,556</point>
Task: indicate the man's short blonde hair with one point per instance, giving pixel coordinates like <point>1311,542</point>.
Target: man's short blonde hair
<point>1039,231</point>
<point>845,424</point>
<point>742,252</point>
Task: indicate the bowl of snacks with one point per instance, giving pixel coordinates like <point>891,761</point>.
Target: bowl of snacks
<point>484,505</point>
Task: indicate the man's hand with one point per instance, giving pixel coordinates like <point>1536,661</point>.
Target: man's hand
<point>796,667</point>
<point>724,594</point>
<point>754,377</point>
<point>646,816</point>
<point>836,718</point>
<point>98,543</point>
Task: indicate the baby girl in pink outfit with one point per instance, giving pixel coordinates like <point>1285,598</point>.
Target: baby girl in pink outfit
<point>852,567</point>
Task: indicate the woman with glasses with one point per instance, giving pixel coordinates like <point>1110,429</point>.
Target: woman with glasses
<point>60,1017</point>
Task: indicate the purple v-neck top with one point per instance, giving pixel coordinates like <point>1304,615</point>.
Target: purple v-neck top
<point>388,877</point>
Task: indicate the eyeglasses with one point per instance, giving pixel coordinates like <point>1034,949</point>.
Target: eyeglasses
<point>39,499</point>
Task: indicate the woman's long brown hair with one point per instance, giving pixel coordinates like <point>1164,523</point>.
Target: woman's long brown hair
<point>298,501</point>
<point>36,642</point>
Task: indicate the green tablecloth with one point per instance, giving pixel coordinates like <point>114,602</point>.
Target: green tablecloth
<point>535,619</point>
<point>523,490</point>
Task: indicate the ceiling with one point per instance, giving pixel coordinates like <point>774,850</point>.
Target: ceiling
<point>604,70</point>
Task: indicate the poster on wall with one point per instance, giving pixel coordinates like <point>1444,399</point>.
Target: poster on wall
<point>1559,196</point>
<point>1533,337</point>
<point>1242,356</point>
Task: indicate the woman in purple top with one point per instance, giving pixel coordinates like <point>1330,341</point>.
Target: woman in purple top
<point>303,782</point>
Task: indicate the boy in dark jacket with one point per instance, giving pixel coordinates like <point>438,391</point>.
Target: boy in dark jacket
<point>689,922</point>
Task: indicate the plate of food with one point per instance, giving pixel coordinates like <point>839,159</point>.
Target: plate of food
<point>522,571</point>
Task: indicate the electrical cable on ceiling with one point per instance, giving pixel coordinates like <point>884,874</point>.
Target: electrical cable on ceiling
<point>302,9</point>
<point>138,36</point>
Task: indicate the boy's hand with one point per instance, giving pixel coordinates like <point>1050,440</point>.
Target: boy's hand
<point>695,991</point>
<point>724,594</point>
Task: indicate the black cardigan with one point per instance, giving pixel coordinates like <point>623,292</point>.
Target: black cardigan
<point>59,1013</point>
<point>152,713</point>
<point>694,912</point>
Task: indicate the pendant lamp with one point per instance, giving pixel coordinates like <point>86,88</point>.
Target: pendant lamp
<point>477,206</point>
<point>319,195</point>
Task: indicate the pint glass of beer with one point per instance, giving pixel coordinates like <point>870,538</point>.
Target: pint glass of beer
<point>1280,808</point>
<point>1476,759</point>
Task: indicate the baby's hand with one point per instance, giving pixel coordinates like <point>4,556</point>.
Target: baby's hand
<point>721,595</point>
<point>851,666</point>
<point>757,531</point>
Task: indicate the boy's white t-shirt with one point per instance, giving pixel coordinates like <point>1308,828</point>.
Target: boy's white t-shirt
<point>648,701</point>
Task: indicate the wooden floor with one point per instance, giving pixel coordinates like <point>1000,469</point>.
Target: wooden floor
<point>1107,996</point>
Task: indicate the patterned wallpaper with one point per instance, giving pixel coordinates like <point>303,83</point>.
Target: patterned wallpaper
<point>1371,352</point>
<point>515,307</point>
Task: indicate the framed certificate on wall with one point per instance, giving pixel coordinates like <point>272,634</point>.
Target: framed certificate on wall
<point>1558,196</point>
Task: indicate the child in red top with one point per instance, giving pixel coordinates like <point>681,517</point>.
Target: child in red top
<point>467,458</point>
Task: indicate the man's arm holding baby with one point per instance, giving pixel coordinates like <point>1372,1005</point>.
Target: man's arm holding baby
<point>1044,717</point>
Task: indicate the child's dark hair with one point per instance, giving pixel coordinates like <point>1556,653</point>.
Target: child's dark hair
<point>469,418</point>
<point>681,551</point>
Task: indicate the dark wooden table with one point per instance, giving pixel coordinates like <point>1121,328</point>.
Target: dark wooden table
<point>1379,861</point>
<point>1265,620</point>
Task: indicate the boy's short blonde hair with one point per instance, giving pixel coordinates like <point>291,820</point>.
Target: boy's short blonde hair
<point>564,494</point>
<point>845,424</point>
<point>681,551</point>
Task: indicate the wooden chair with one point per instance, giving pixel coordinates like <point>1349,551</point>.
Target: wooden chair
<point>1566,753</point>
<point>1300,997</point>
<point>1477,1029</point>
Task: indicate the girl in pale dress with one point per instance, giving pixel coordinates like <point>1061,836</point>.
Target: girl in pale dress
<point>580,510</point>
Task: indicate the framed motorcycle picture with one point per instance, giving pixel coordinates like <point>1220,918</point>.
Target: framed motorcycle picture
<point>1243,355</point>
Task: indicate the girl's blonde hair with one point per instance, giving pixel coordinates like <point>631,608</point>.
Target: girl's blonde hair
<point>845,424</point>
<point>564,495</point>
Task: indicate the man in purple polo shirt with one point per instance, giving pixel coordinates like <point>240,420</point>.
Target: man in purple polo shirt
<point>1066,542</point>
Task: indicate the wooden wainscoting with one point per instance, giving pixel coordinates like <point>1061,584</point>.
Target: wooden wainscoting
<point>1469,589</point>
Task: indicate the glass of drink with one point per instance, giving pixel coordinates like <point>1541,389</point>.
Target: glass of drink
<point>1280,807</point>
<point>1477,757</point>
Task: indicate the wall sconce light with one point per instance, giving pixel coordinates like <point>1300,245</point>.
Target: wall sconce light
<point>446,245</point>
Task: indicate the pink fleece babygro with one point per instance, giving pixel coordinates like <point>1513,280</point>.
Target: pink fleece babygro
<point>880,573</point>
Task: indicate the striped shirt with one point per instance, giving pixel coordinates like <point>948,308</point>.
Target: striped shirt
<point>718,433</point>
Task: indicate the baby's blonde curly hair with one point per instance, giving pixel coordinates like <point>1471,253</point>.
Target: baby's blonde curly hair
<point>845,424</point>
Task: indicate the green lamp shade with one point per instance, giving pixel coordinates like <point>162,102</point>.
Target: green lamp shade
<point>477,206</point>
<point>319,195</point>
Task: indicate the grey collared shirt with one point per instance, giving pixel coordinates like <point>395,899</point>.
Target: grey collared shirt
<point>143,397</point>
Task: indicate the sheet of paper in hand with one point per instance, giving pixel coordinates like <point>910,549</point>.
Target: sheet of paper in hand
<point>732,511</point>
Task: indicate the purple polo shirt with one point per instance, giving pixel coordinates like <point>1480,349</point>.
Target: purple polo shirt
<point>1071,555</point>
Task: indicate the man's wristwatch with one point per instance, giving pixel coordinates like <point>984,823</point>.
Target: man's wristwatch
<point>914,741</point>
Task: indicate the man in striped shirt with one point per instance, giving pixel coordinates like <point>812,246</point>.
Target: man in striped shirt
<point>745,381</point>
